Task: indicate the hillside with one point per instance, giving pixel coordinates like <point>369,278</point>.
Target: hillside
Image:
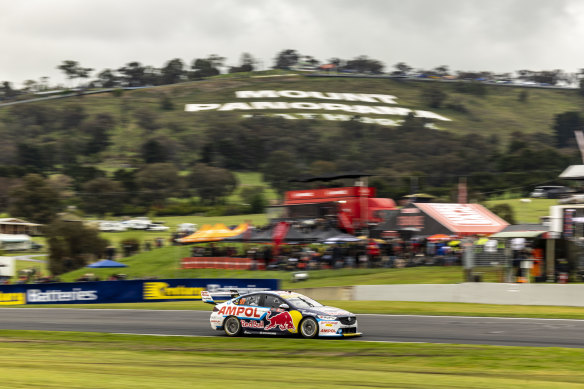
<point>491,109</point>
<point>395,128</point>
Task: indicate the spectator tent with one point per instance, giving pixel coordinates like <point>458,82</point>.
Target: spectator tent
<point>425,219</point>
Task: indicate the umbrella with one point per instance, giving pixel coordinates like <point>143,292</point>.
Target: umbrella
<point>364,237</point>
<point>481,241</point>
<point>106,263</point>
<point>437,237</point>
<point>341,238</point>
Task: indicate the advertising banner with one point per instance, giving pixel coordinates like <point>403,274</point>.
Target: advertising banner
<point>128,291</point>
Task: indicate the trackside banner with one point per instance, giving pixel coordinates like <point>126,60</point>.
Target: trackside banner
<point>133,291</point>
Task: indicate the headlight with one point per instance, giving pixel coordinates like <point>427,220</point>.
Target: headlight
<point>326,317</point>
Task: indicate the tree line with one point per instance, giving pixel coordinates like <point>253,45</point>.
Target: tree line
<point>136,74</point>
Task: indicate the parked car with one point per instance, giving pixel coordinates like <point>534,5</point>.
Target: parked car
<point>550,192</point>
<point>137,223</point>
<point>157,227</point>
<point>112,226</point>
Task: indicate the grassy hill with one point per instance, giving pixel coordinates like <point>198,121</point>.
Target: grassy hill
<point>490,109</point>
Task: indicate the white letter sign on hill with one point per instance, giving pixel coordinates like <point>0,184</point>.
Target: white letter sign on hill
<point>312,105</point>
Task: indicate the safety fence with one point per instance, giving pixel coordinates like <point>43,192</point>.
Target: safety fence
<point>131,291</point>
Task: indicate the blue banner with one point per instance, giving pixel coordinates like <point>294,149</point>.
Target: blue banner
<point>133,291</point>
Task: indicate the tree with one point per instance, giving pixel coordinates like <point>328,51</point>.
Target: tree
<point>99,129</point>
<point>247,63</point>
<point>108,79</point>
<point>433,97</point>
<point>364,64</point>
<point>286,59</point>
<point>133,74</point>
<point>73,69</point>
<point>173,72</point>
<point>154,152</point>
<point>211,183</point>
<point>72,246</point>
<point>254,197</point>
<point>279,169</point>
<point>30,86</point>
<point>101,196</point>
<point>29,155</point>
<point>72,115</point>
<point>34,200</point>
<point>69,68</point>
<point>206,67</point>
<point>6,90</point>
<point>401,68</point>
<point>157,182</point>
<point>147,118</point>
<point>564,126</point>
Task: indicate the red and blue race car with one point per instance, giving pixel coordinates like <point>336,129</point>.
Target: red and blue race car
<point>280,313</point>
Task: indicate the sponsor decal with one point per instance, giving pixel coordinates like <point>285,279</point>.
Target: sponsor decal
<point>417,221</point>
<point>282,320</point>
<point>463,215</point>
<point>12,298</point>
<point>252,324</point>
<point>303,194</point>
<point>77,294</point>
<point>328,331</point>
<point>233,310</point>
<point>163,291</point>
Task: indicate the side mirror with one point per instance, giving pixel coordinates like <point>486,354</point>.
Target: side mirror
<point>284,306</point>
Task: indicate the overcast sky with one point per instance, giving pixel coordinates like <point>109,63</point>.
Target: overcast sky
<point>496,35</point>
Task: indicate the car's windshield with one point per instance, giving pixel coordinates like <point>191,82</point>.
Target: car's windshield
<point>303,302</point>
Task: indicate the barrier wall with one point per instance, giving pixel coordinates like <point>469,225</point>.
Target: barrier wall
<point>128,291</point>
<point>231,263</point>
<point>328,293</point>
<point>477,292</point>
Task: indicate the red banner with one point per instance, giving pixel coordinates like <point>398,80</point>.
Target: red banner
<point>328,194</point>
<point>280,232</point>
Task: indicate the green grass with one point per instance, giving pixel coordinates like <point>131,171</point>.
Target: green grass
<point>247,179</point>
<point>527,211</point>
<point>85,360</point>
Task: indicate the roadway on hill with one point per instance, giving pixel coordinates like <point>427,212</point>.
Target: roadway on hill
<point>382,328</point>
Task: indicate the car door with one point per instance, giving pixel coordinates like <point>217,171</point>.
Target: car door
<point>251,312</point>
<point>279,319</point>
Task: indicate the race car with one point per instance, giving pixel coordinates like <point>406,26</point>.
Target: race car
<point>280,313</point>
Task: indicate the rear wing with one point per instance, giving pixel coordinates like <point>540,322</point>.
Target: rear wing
<point>208,298</point>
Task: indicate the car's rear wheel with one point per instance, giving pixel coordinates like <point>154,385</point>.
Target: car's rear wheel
<point>232,326</point>
<point>309,328</point>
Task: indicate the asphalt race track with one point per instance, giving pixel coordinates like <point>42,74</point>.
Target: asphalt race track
<point>383,328</point>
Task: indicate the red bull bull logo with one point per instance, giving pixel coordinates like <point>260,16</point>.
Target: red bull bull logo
<point>282,320</point>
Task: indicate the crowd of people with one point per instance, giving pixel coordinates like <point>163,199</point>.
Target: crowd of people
<point>368,253</point>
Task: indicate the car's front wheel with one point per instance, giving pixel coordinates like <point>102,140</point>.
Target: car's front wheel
<point>232,326</point>
<point>309,328</point>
